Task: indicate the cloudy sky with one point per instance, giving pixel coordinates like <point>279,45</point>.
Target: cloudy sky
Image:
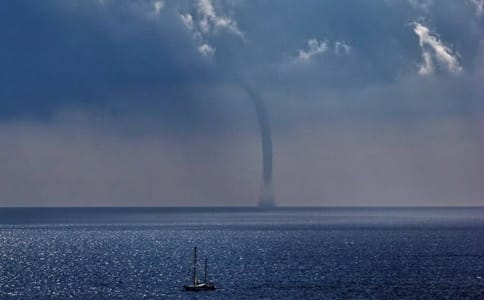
<point>141,102</point>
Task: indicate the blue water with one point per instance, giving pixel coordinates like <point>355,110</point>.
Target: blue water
<point>284,254</point>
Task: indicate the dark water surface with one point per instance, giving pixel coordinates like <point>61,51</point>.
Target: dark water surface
<point>336,253</point>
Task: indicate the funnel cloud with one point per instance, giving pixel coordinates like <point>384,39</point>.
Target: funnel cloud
<point>266,197</point>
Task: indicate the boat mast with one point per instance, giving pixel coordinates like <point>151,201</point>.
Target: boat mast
<point>195,279</point>
<point>205,279</point>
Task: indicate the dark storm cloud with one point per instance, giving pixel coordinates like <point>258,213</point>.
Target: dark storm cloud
<point>115,55</point>
<point>91,78</point>
<point>60,55</point>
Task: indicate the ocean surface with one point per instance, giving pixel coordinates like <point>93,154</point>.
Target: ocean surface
<point>292,253</point>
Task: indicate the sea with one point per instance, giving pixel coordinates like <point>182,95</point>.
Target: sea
<point>283,253</point>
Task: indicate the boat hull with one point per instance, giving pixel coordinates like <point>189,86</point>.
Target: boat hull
<point>199,287</point>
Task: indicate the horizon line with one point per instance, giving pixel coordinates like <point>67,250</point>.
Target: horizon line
<point>255,207</point>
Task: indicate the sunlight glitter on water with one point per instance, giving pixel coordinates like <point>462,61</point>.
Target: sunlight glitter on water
<point>325,258</point>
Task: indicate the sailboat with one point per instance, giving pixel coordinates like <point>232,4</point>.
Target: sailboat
<point>196,285</point>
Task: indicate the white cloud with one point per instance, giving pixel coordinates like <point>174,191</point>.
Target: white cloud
<point>479,4</point>
<point>318,47</point>
<point>206,50</point>
<point>434,49</point>
<point>207,11</point>
<point>210,20</point>
<point>206,22</point>
<point>158,6</point>
<point>187,19</point>
<point>342,47</point>
<point>427,66</point>
<point>315,47</point>
<point>203,48</point>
